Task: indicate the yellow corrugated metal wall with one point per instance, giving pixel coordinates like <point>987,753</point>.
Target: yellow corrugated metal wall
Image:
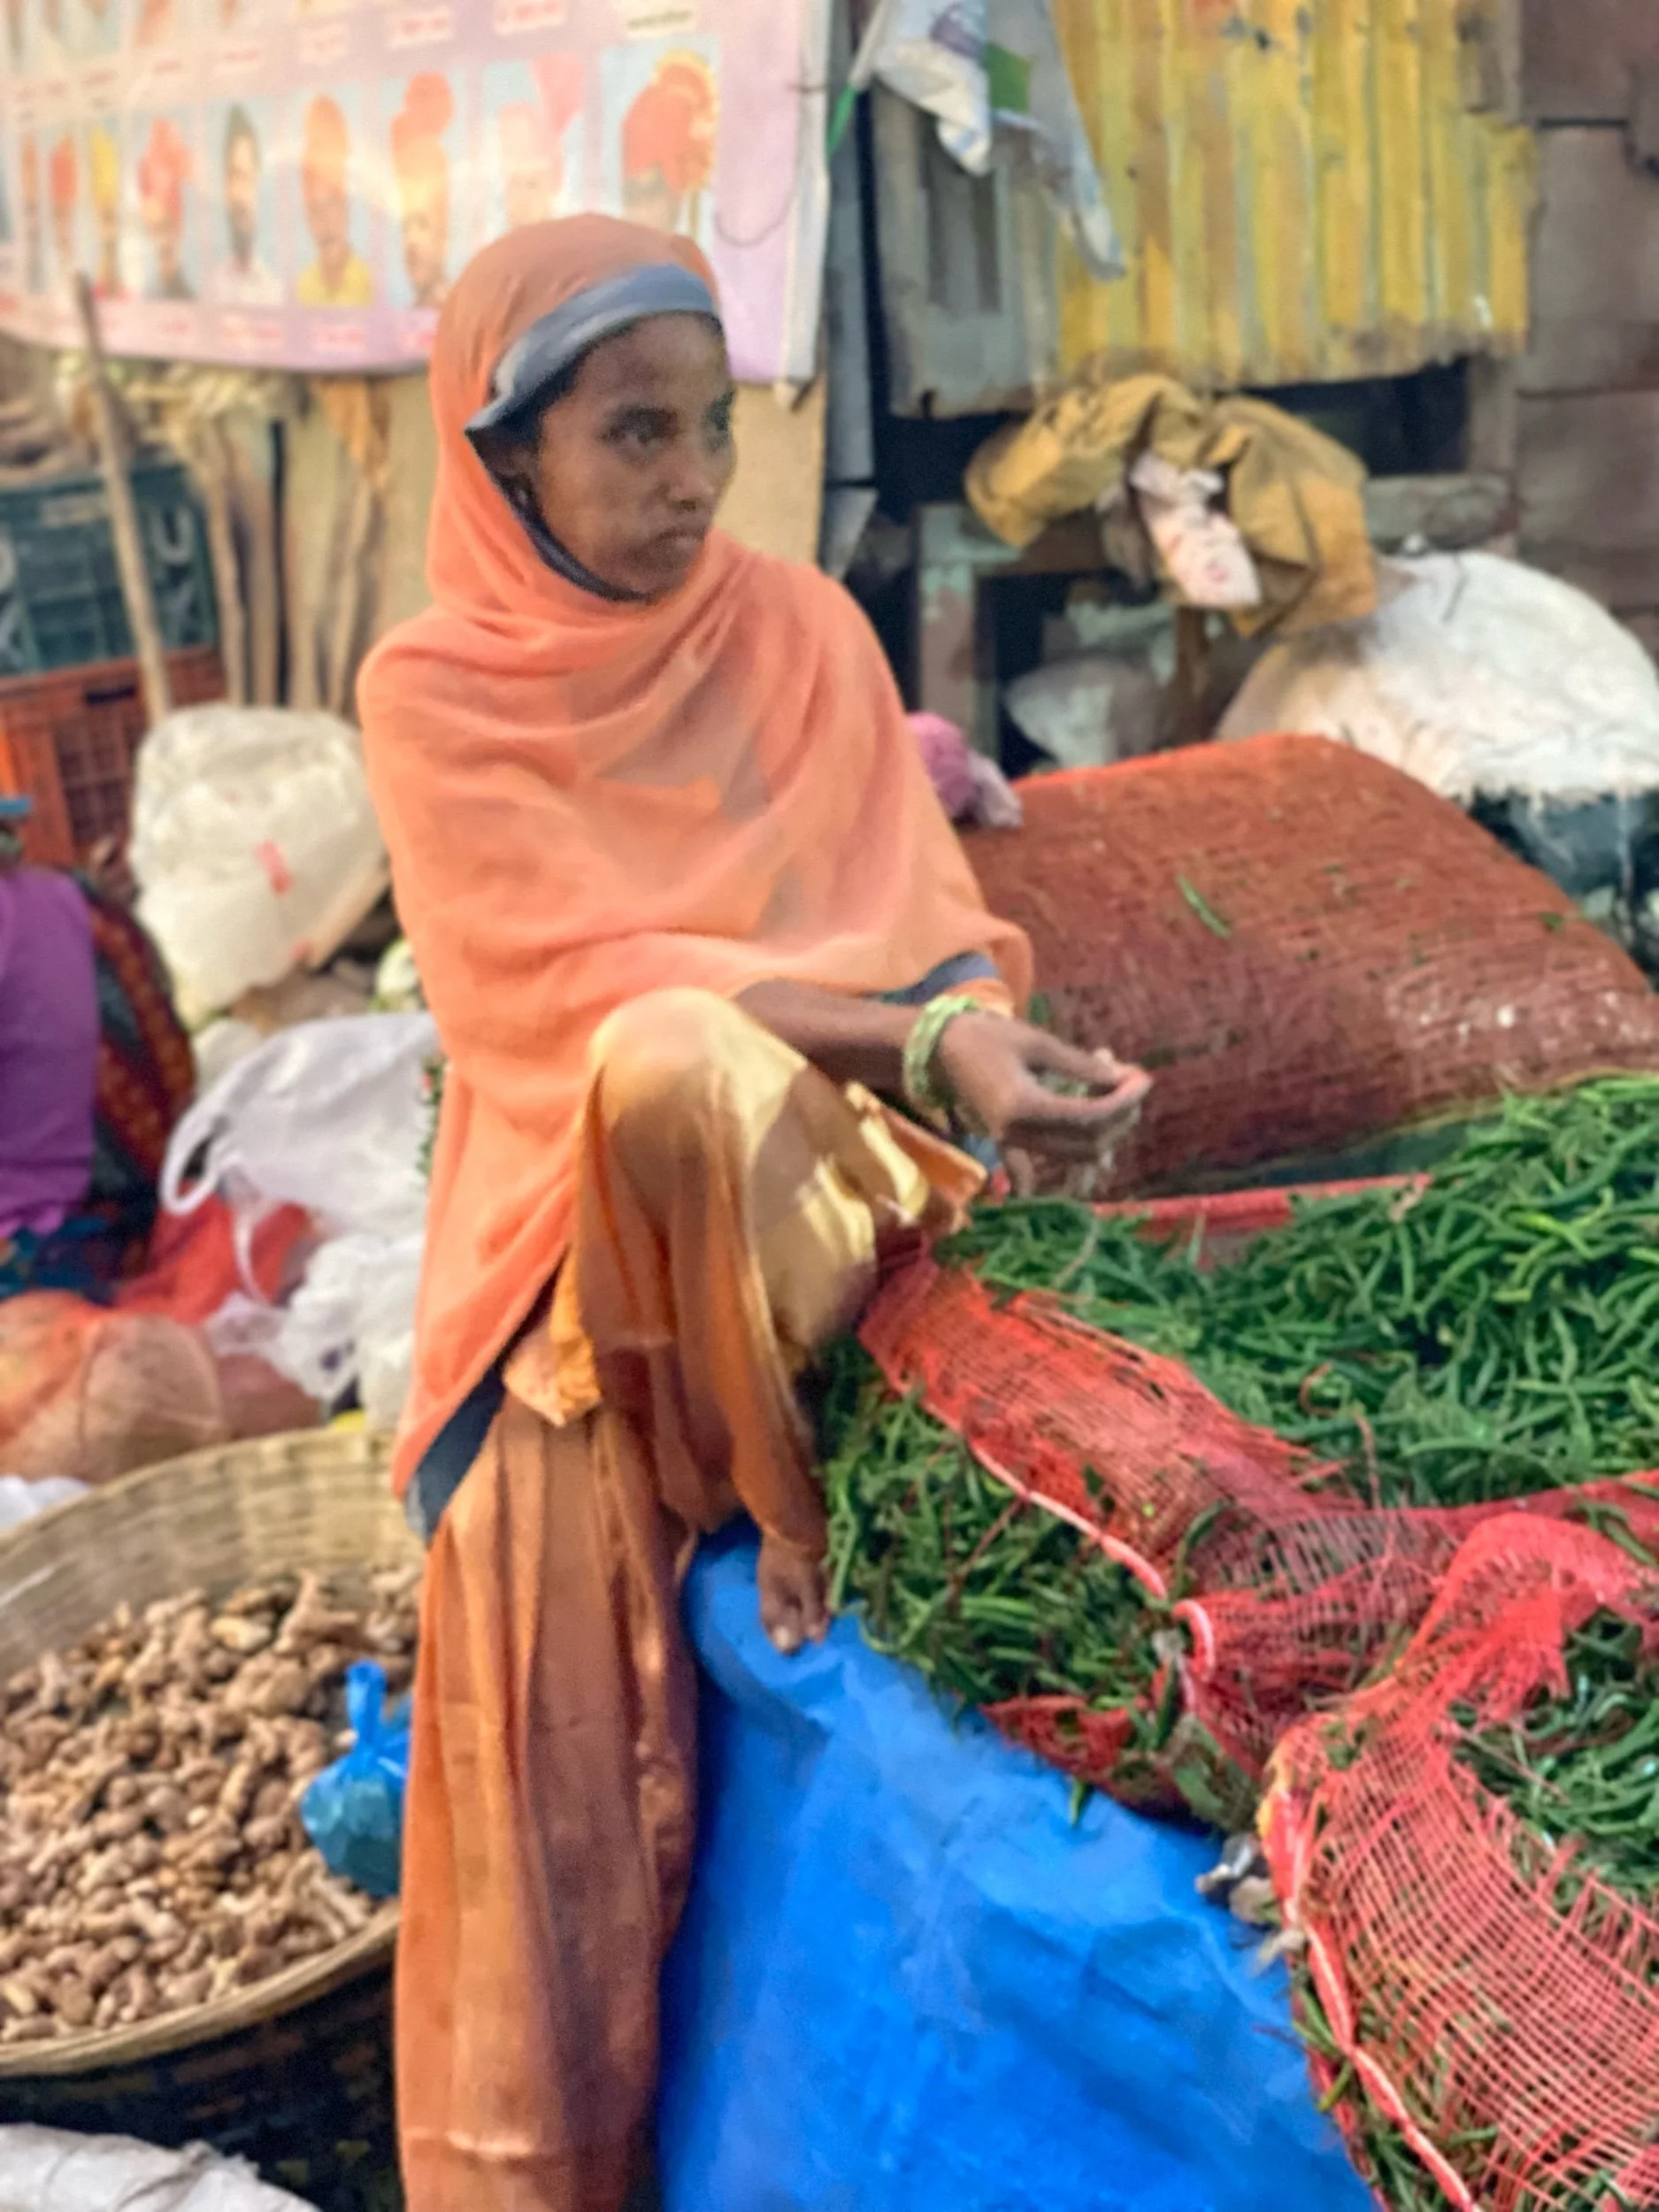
<point>1302,190</point>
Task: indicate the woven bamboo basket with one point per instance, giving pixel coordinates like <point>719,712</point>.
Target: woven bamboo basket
<point>224,2071</point>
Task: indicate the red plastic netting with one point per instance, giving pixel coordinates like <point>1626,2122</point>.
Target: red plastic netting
<point>1290,1599</point>
<point>1306,947</point>
<point>1479,2012</point>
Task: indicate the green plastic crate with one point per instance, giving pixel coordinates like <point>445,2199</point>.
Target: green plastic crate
<point>60,588</point>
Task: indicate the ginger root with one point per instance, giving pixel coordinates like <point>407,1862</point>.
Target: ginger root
<point>151,1854</point>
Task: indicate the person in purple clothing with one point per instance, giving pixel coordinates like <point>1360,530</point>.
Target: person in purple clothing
<point>48,1073</point>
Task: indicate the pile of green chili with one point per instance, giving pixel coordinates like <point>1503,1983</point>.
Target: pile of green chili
<point>994,1599</point>
<point>1378,2147</point>
<point>1585,1766</point>
<point>1496,1333</point>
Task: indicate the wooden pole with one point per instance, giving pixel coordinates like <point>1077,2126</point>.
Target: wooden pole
<point>251,489</point>
<point>212,451</point>
<point>129,552</point>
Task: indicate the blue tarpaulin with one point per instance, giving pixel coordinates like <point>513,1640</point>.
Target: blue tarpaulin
<point>908,1982</point>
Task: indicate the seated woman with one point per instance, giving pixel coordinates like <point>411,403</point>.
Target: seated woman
<point>685,910</point>
<point>94,1071</point>
<point>49,1076</point>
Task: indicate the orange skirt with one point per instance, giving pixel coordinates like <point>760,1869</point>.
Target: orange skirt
<point>733,1204</point>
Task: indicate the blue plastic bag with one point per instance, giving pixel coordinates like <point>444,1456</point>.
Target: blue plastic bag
<point>353,1812</point>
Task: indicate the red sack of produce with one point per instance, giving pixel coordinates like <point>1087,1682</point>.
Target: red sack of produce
<point>1468,1853</point>
<point>91,1394</point>
<point>1285,1598</point>
<point>1307,949</point>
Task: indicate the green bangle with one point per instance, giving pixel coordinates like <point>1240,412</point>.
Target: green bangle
<point>924,1093</point>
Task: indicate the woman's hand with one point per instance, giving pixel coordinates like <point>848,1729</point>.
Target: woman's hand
<point>794,1604</point>
<point>993,1068</point>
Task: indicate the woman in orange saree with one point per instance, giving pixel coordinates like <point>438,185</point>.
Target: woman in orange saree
<point>686,910</point>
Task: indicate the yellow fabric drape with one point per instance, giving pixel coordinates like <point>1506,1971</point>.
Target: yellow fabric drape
<point>1295,496</point>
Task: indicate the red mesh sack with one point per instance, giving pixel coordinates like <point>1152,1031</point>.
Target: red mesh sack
<point>1479,2013</point>
<point>1289,1599</point>
<point>1305,945</point>
<point>92,1394</point>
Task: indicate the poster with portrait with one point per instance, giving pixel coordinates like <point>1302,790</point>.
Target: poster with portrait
<point>328,160</point>
<point>659,116</point>
<point>239,188</point>
<point>530,142</point>
<point>297,183</point>
<point>115,251</point>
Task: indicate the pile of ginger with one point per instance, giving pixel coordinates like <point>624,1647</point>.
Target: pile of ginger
<point>151,1853</point>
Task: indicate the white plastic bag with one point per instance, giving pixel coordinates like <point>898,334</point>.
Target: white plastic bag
<point>353,1319</point>
<point>330,1115</point>
<point>255,846</point>
<point>938,57</point>
<point>1090,711</point>
<point>20,1499</point>
<point>1480,675</point>
<point>47,2169</point>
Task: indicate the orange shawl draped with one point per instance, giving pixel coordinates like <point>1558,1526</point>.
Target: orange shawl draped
<point>586,800</point>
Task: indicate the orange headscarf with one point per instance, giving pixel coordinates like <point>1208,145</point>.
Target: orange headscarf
<point>586,800</point>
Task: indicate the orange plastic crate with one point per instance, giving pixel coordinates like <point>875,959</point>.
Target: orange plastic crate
<point>69,741</point>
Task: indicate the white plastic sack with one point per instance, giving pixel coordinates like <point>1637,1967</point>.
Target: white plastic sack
<point>330,1115</point>
<point>1479,675</point>
<point>353,1320</point>
<point>255,846</point>
<point>21,1500</point>
<point>46,2170</point>
<point>937,57</point>
<point>1088,711</point>
<point>218,1048</point>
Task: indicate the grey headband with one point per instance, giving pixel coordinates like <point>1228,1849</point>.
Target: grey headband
<point>531,363</point>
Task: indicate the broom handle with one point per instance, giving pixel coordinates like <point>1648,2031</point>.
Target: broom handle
<point>129,553</point>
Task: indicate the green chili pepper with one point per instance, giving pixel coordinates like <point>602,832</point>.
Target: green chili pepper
<point>1512,1268</point>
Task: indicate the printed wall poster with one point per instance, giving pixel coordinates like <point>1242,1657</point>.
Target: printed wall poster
<point>329,242</point>
<point>63,201</point>
<point>33,236</point>
<point>114,263</point>
<point>166,175</point>
<point>531,151</point>
<point>298,182</point>
<point>659,122</point>
<point>423,156</point>
<point>241,201</point>
<point>97,28</point>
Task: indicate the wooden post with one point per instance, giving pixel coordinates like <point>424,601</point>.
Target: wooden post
<point>211,455</point>
<point>129,551</point>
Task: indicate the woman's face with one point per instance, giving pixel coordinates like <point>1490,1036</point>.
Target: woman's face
<point>631,464</point>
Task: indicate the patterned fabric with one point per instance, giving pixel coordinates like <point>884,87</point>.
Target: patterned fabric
<point>84,1255</point>
<point>146,1070</point>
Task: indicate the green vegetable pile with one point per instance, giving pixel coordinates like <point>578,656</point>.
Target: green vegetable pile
<point>1495,1334</point>
<point>1585,1766</point>
<point>992,1599</point>
<point>1379,2149</point>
